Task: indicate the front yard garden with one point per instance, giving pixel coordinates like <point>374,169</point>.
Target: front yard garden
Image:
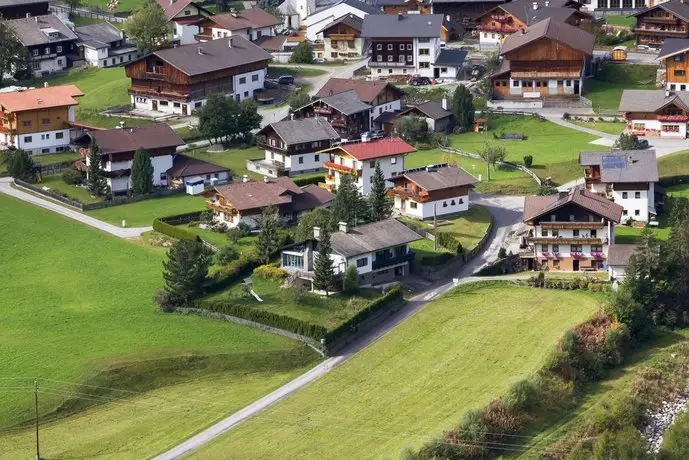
<point>605,88</point>
<point>458,353</point>
<point>609,127</point>
<point>78,315</point>
<point>142,213</point>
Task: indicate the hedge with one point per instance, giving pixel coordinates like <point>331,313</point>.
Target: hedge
<point>392,296</point>
<point>301,181</point>
<point>171,230</point>
<point>229,274</point>
<point>445,240</point>
<point>185,218</point>
<point>267,318</point>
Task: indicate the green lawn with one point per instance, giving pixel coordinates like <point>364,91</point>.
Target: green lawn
<point>77,302</point>
<point>142,213</point>
<point>605,88</point>
<point>275,71</point>
<point>220,239</point>
<point>48,159</point>
<point>468,227</point>
<point>426,255</point>
<point>458,353</point>
<point>610,127</point>
<point>620,20</point>
<point>325,311</point>
<point>123,5</point>
<point>676,164</point>
<point>56,184</point>
<point>234,158</point>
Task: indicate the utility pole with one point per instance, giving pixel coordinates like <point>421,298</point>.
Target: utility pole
<point>435,235</point>
<point>35,397</point>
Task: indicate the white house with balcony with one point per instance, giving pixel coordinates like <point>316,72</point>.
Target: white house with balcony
<point>252,24</point>
<point>379,251</point>
<point>359,160</point>
<point>569,231</point>
<point>627,177</point>
<point>655,113</point>
<point>185,16</point>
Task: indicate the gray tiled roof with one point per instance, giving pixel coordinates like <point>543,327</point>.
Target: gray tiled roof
<point>20,2</point>
<point>619,254</point>
<point>103,32</point>
<point>676,7</point>
<point>304,130</point>
<point>452,58</point>
<point>673,46</point>
<point>548,28</point>
<point>372,237</point>
<point>402,25</point>
<point>638,165</point>
<point>432,109</point>
<point>347,102</point>
<point>441,178</point>
<point>216,55</point>
<point>29,31</point>
<point>524,11</point>
<point>651,100</point>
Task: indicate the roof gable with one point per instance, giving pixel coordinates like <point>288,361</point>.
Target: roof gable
<point>253,18</point>
<point>366,90</point>
<point>371,150</point>
<point>676,7</point>
<point>40,98</point>
<point>538,206</point>
<point>565,34</point>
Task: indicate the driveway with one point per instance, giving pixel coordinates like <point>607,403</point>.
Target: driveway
<point>506,211</point>
<point>72,214</point>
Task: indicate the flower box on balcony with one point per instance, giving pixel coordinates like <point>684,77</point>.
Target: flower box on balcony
<point>597,255</point>
<point>556,255</point>
<point>576,255</point>
<point>545,254</point>
<point>672,118</point>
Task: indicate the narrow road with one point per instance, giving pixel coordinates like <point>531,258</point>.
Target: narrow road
<point>506,211</point>
<point>72,214</point>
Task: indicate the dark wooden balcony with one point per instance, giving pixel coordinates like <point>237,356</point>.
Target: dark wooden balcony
<point>393,260</point>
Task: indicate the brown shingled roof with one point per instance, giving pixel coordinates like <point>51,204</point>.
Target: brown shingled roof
<point>536,206</point>
<point>259,194</point>
<point>253,18</point>
<point>549,28</point>
<point>148,137</point>
<point>442,178</point>
<point>619,254</point>
<point>367,91</point>
<point>184,166</point>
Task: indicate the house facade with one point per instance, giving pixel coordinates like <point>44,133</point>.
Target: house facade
<point>252,24</point>
<point>432,191</point>
<point>618,258</point>
<point>179,80</point>
<point>245,201</point>
<point>674,57</point>
<point>184,17</point>
<point>326,14</point>
<point>381,96</point>
<point>410,44</point>
<point>436,113</point>
<point>655,113</point>
<point>103,45</point>
<point>664,20</point>
<point>379,251</point>
<point>15,9</point>
<point>48,40</point>
<point>508,18</point>
<point>345,112</point>
<point>187,170</point>
<point>342,38</point>
<point>359,160</point>
<point>38,120</point>
<point>292,146</point>
<point>464,13</point>
<point>547,59</point>
<point>117,147</point>
<point>627,177</point>
<point>406,7</point>
<point>569,231</point>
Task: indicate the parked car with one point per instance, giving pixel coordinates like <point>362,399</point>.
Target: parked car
<point>285,80</point>
<point>377,134</point>
<point>320,61</point>
<point>419,81</point>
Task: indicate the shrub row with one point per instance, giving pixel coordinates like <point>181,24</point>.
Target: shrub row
<point>445,240</point>
<point>185,218</point>
<point>301,181</point>
<point>171,230</point>
<point>229,274</point>
<point>392,297</point>
<point>506,265</point>
<point>271,272</point>
<point>267,318</point>
<point>430,259</point>
<point>593,284</point>
<point>61,198</point>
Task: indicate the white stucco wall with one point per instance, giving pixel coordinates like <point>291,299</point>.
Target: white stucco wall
<point>47,66</point>
<point>252,82</point>
<point>315,23</point>
<point>631,204</point>
<point>160,166</point>
<point>425,210</point>
<point>40,141</point>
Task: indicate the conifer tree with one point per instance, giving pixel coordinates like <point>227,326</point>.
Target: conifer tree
<point>268,239</point>
<point>95,180</point>
<point>347,203</point>
<point>323,272</point>
<point>463,108</point>
<point>186,270</point>
<point>379,204</point>
<point>142,172</point>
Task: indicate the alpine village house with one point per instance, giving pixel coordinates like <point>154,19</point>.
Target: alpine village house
<point>664,20</point>
<point>655,113</point>
<point>179,80</point>
<point>184,16</point>
<point>674,57</point>
<point>547,59</point>
<point>569,231</point>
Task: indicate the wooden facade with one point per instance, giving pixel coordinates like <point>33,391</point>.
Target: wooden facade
<point>153,77</point>
<point>464,14</point>
<point>505,23</point>
<point>415,6</point>
<point>407,189</point>
<point>654,25</point>
<point>347,126</point>
<point>34,121</point>
<point>275,143</point>
<point>392,52</point>
<point>677,70</point>
<point>18,11</point>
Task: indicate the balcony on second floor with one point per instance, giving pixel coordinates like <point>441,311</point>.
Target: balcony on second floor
<point>392,259</point>
<point>373,63</point>
<point>341,168</point>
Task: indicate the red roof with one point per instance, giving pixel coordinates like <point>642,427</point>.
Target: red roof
<point>378,149</point>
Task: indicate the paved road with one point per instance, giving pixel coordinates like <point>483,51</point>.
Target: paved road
<point>506,211</point>
<point>633,57</point>
<point>72,214</point>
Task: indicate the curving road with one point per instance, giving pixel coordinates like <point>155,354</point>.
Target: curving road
<point>506,212</point>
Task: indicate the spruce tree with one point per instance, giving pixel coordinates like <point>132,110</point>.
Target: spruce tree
<point>142,172</point>
<point>95,180</point>
<point>463,108</point>
<point>347,203</point>
<point>186,270</point>
<point>379,204</point>
<point>323,272</point>
<point>268,239</point>
<point>20,165</point>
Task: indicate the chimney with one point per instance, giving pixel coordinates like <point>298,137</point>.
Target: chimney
<point>523,31</point>
<point>400,16</point>
<point>46,84</point>
<point>229,42</point>
<point>317,233</point>
<point>245,178</point>
<point>291,116</point>
<point>447,17</point>
<point>443,103</point>
<point>172,1</point>
<point>535,6</point>
<point>120,125</point>
<point>200,51</point>
<point>344,227</point>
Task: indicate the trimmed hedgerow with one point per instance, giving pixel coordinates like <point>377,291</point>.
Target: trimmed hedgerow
<point>171,230</point>
<point>301,181</point>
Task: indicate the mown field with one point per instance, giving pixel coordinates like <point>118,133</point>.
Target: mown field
<point>457,353</point>
<point>77,314</point>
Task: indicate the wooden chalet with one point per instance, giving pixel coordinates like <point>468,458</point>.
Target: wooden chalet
<point>664,20</point>
<point>344,111</point>
<point>547,59</point>
<point>674,56</point>
<point>464,13</point>
<point>179,80</point>
<point>406,6</point>
<point>655,113</point>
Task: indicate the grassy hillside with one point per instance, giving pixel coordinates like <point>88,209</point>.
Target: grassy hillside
<point>457,353</point>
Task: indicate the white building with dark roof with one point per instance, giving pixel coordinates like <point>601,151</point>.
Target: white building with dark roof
<point>655,112</point>
<point>104,45</point>
<point>627,177</point>
<point>618,258</point>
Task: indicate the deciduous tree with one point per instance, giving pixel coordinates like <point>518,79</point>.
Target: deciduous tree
<point>95,177</point>
<point>14,57</point>
<point>148,27</point>
<point>142,172</point>
<point>492,154</point>
<point>248,119</point>
<point>351,280</point>
<point>298,100</point>
<point>323,271</point>
<point>268,239</point>
<point>630,142</point>
<point>185,270</point>
<point>379,204</point>
<point>411,128</point>
<point>302,54</point>
<point>319,217</point>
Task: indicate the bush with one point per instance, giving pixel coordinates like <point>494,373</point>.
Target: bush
<point>520,396</point>
<point>502,253</point>
<point>528,160</point>
<point>162,300</point>
<point>206,217</point>
<point>351,280</point>
<point>73,176</point>
<point>271,272</point>
<point>171,230</point>
<point>566,116</point>
<point>301,181</point>
<point>449,242</point>
<point>226,255</point>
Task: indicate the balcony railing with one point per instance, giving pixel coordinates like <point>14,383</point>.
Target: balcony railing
<point>397,259</point>
<point>499,29</point>
<point>574,225</point>
<point>678,118</point>
<point>340,168</point>
<point>658,31</point>
<point>390,64</point>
